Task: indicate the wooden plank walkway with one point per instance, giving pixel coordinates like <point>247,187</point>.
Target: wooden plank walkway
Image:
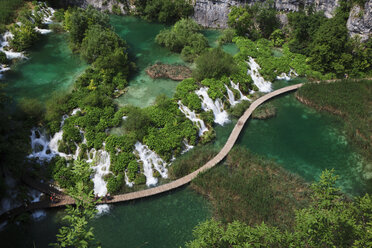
<point>66,200</point>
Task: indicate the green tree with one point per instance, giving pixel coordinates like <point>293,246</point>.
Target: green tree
<point>99,41</point>
<point>214,63</point>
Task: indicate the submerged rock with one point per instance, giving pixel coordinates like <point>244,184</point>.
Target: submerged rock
<point>174,72</point>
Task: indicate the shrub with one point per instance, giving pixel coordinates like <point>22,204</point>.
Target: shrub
<point>3,58</point>
<point>164,10</point>
<point>184,37</point>
<point>214,63</point>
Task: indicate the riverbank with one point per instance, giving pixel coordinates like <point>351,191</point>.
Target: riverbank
<point>351,101</point>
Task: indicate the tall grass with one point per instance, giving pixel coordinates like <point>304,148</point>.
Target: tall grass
<point>347,98</point>
<point>7,8</point>
<point>251,189</point>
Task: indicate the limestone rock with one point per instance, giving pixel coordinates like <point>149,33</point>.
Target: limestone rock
<point>360,21</point>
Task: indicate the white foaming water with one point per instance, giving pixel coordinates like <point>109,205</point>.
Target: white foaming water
<point>101,167</point>
<point>231,96</point>
<point>5,43</point>
<point>187,147</point>
<point>127,182</point>
<point>40,146</point>
<point>43,31</point>
<point>283,76</point>
<point>38,215</point>
<point>220,115</point>
<point>236,86</point>
<point>35,195</point>
<point>150,159</point>
<point>258,80</point>
<point>102,209</point>
<point>192,116</point>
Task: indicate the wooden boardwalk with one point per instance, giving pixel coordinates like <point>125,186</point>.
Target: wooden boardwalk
<point>66,200</point>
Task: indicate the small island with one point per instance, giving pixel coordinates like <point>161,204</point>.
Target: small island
<point>174,72</point>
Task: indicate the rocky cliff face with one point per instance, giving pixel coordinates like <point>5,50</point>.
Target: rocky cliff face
<point>360,21</point>
<point>103,5</point>
<point>214,13</point>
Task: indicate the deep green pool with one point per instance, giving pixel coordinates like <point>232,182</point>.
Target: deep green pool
<point>162,221</point>
<point>304,142</point>
<point>51,67</point>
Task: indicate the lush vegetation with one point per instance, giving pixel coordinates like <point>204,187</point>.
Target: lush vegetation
<point>256,21</point>
<point>324,43</point>
<point>251,189</point>
<point>192,161</point>
<point>271,66</point>
<point>349,99</point>
<point>76,231</point>
<point>185,38</point>
<point>330,220</point>
<point>214,63</point>
<point>7,8</point>
<point>164,11</point>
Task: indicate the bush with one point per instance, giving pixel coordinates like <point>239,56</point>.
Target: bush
<point>184,37</point>
<point>24,37</point>
<point>99,41</point>
<point>214,63</point>
<point>3,58</point>
<point>227,36</point>
<point>191,161</point>
<point>164,10</point>
<point>239,109</point>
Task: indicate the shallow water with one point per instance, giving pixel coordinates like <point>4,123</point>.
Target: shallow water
<point>51,67</point>
<point>162,221</point>
<point>303,141</point>
<point>140,36</point>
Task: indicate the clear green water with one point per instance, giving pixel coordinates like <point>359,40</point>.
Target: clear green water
<point>140,36</point>
<point>300,139</point>
<point>51,67</point>
<point>304,142</point>
<point>162,221</point>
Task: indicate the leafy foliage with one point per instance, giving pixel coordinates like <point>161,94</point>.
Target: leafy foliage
<point>214,63</point>
<point>330,220</point>
<point>164,11</point>
<point>184,37</point>
<point>256,21</point>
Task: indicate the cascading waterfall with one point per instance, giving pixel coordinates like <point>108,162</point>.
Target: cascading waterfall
<point>231,96</point>
<point>192,116</point>
<point>187,147</point>
<point>150,159</point>
<point>292,73</point>
<point>5,43</point>
<point>258,80</point>
<point>220,115</point>
<point>47,13</point>
<point>236,86</point>
<point>101,167</point>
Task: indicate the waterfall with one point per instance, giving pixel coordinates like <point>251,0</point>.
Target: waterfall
<point>220,115</point>
<point>283,76</point>
<point>150,159</point>
<point>187,147</point>
<point>231,96</point>
<point>127,182</point>
<point>258,80</point>
<point>102,209</point>
<point>236,86</point>
<point>5,43</point>
<point>192,116</point>
<point>101,167</point>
